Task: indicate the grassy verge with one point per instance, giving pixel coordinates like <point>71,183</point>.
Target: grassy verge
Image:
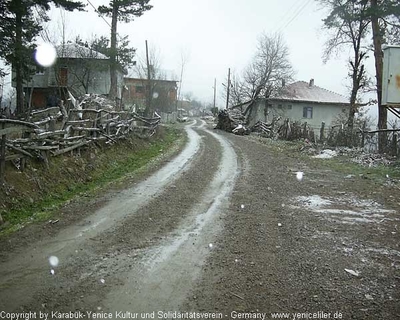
<point>37,193</point>
<point>342,163</point>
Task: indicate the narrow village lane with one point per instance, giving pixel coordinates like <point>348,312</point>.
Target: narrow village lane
<point>233,227</point>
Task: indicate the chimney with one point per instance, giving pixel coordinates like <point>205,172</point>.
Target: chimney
<point>311,84</point>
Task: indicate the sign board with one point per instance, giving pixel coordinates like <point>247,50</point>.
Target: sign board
<point>391,76</point>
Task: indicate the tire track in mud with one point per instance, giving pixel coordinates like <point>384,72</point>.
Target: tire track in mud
<point>167,271</point>
<point>29,268</point>
<point>109,248</point>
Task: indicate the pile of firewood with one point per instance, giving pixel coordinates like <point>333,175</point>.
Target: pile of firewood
<point>230,119</point>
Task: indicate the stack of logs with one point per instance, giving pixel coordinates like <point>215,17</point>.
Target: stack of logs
<point>230,119</point>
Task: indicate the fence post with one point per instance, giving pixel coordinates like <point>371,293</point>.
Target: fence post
<point>23,159</point>
<point>363,134</point>
<point>322,132</point>
<point>2,155</point>
<point>394,144</point>
<point>305,133</point>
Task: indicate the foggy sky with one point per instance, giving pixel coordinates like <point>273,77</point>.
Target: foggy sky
<point>219,34</point>
<point>215,35</point>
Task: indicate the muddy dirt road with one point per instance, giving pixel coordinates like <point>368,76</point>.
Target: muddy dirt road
<point>225,229</point>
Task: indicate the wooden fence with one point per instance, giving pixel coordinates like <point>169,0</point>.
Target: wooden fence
<point>54,131</point>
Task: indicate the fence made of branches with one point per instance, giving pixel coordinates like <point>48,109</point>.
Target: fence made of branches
<point>56,131</point>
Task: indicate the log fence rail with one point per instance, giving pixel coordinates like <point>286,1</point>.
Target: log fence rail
<point>54,131</point>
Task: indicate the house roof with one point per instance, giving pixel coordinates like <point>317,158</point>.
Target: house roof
<point>307,91</point>
<point>127,79</point>
<point>75,51</point>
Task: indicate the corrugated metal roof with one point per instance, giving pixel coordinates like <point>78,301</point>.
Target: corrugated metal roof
<point>303,91</point>
<point>73,50</point>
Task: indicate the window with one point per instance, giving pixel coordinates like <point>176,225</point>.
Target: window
<point>289,107</point>
<point>279,106</point>
<point>307,112</point>
<point>139,89</point>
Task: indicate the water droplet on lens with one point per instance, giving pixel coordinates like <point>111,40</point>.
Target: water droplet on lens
<point>45,55</point>
<point>54,261</point>
<point>299,175</point>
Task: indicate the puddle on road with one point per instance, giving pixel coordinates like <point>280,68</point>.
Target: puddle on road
<point>348,210</point>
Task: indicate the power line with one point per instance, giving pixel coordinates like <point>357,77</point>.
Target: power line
<point>289,12</point>
<point>101,16</point>
<point>95,9</point>
<point>296,15</point>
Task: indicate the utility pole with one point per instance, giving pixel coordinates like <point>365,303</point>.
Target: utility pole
<point>148,83</point>
<point>215,91</point>
<point>228,87</point>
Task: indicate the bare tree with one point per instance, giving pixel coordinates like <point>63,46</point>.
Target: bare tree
<point>184,60</point>
<point>265,74</point>
<point>348,26</point>
<point>91,63</point>
<point>123,11</point>
<point>159,95</point>
<point>385,24</point>
<point>155,62</point>
<point>384,18</point>
<point>270,67</point>
<point>237,95</point>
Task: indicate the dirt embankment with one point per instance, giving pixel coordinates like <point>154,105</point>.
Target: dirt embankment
<point>33,194</point>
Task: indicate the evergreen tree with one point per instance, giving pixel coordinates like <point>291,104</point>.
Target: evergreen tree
<point>18,29</point>
<point>90,62</point>
<point>124,11</point>
<point>384,18</point>
<point>125,54</point>
<point>385,21</point>
<point>348,24</point>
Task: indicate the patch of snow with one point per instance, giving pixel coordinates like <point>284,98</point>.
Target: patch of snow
<point>326,154</point>
<point>345,210</point>
<point>314,201</point>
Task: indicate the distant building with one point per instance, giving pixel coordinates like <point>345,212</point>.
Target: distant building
<point>164,94</point>
<point>300,101</point>
<point>79,69</point>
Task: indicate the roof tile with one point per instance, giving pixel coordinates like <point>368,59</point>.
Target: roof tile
<point>302,91</point>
